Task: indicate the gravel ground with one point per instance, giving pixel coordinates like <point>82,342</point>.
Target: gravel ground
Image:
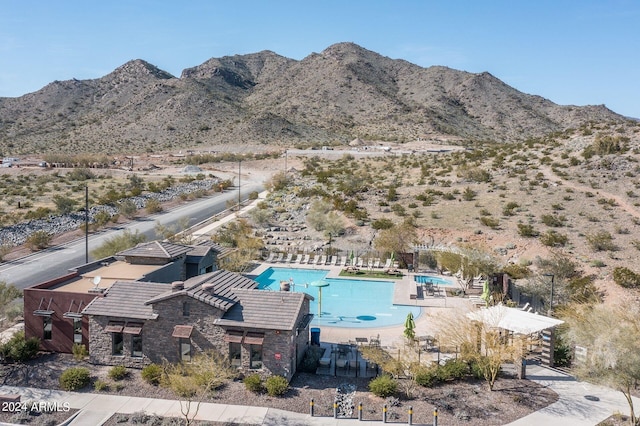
<point>459,403</point>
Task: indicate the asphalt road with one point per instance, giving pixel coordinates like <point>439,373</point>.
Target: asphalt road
<point>56,261</point>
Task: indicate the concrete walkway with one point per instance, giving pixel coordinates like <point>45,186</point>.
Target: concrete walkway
<point>579,404</point>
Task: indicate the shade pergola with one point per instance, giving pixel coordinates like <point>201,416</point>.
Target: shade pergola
<point>514,319</point>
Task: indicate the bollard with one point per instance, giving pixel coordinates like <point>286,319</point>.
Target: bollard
<point>335,409</point>
<point>360,411</point>
<point>311,407</point>
<point>384,413</point>
<point>435,416</point>
<point>411,414</point>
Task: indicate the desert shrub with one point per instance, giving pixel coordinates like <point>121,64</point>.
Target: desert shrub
<point>383,386</point>
<point>276,385</point>
<point>516,271</point>
<point>253,383</point>
<point>153,206</point>
<point>426,376</point>
<point>39,240</point>
<point>311,359</point>
<point>100,385</point>
<point>118,372</point>
<point>552,238</point>
<point>19,349</point>
<point>527,230</point>
<point>508,209</point>
<point>469,194</point>
<point>79,351</point>
<point>625,277</point>
<point>453,369</point>
<point>552,220</point>
<point>74,378</point>
<point>601,241</point>
<point>152,374</point>
<point>382,223</point>
<point>489,221</point>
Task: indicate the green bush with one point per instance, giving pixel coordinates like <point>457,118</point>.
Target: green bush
<point>426,376</point>
<point>311,359</point>
<point>625,277</point>
<point>383,386</point>
<point>118,372</point>
<point>79,351</point>
<point>276,385</point>
<point>253,383</point>
<point>19,349</point>
<point>74,378</point>
<point>152,374</point>
<point>100,385</point>
<point>453,369</point>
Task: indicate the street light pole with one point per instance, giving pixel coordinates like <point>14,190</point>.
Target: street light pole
<point>239,183</point>
<point>551,300</point>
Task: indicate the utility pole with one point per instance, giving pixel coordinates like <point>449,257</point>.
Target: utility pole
<point>239,184</point>
<point>86,223</point>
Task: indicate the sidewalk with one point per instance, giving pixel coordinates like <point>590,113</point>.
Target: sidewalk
<point>576,405</point>
<point>572,408</point>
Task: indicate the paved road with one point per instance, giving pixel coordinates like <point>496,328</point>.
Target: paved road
<point>56,261</point>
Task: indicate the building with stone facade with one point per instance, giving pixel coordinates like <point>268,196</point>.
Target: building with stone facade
<point>134,323</point>
<point>53,309</point>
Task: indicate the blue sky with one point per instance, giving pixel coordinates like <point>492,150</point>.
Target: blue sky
<point>573,52</point>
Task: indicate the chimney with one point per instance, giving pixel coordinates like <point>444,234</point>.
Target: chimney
<point>177,286</point>
<point>210,287</point>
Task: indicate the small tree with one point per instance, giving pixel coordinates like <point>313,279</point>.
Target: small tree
<point>196,380</point>
<point>610,335</point>
<point>39,240</point>
<point>64,205</point>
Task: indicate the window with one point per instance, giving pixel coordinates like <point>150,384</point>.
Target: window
<point>117,344</point>
<point>77,330</point>
<point>185,349</point>
<point>185,309</point>
<point>136,345</point>
<point>235,354</point>
<point>47,326</point>
<point>255,360</point>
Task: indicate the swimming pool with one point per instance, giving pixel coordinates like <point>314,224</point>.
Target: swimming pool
<point>423,279</point>
<point>345,302</point>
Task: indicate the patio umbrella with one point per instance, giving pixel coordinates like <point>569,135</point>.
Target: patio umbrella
<point>319,284</point>
<point>410,327</point>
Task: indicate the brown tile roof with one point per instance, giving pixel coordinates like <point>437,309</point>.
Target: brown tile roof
<point>126,299</point>
<point>157,249</point>
<point>221,251</point>
<point>216,289</point>
<point>274,310</point>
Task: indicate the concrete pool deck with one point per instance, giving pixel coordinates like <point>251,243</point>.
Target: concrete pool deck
<point>390,336</point>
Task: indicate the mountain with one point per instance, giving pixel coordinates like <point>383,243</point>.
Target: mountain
<point>344,92</point>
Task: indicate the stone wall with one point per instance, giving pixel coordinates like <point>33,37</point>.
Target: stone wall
<point>100,344</point>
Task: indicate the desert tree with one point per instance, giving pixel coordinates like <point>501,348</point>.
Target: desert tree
<point>176,233</point>
<point>397,239</point>
<point>239,236</point>
<point>482,343</point>
<point>277,182</point>
<point>610,335</point>
<point>196,380</point>
<point>64,205</point>
<point>9,309</point>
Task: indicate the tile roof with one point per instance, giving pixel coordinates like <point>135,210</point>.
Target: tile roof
<point>157,249</point>
<point>221,251</point>
<point>274,310</point>
<point>216,289</point>
<point>126,299</point>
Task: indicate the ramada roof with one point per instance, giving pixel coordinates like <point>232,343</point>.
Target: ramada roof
<point>273,310</point>
<point>217,289</point>
<point>126,299</point>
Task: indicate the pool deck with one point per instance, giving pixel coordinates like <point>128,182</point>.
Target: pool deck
<point>404,291</point>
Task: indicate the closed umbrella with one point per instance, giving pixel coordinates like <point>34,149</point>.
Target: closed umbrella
<point>410,327</point>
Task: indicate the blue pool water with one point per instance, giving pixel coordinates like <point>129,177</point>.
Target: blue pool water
<point>421,279</point>
<point>345,302</point>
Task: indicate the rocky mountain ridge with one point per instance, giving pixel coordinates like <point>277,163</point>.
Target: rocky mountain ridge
<point>331,97</point>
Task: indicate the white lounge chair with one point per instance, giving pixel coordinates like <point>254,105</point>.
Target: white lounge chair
<point>376,263</point>
<point>360,262</point>
<point>289,258</point>
<point>322,260</point>
<point>272,255</point>
<point>306,258</point>
<point>312,259</point>
<point>334,260</point>
<point>387,264</point>
<point>280,257</point>
<point>299,258</point>
<point>370,264</point>
<point>343,261</point>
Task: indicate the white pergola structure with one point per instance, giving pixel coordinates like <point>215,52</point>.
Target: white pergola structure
<point>520,322</point>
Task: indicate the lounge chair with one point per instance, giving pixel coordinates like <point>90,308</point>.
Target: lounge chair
<point>343,261</point>
<point>289,258</point>
<point>370,264</point>
<point>322,260</point>
<point>272,255</point>
<point>376,263</point>
<point>299,258</point>
<point>334,260</point>
<point>360,262</point>
<point>387,264</point>
<point>280,257</point>
<point>306,258</point>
